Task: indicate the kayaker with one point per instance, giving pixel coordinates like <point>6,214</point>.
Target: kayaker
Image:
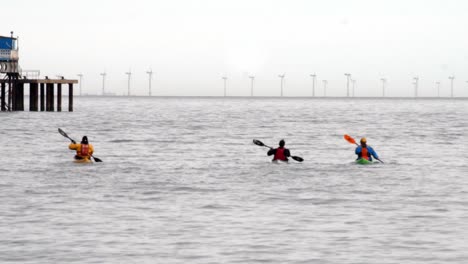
<point>365,152</point>
<point>84,150</point>
<point>280,153</point>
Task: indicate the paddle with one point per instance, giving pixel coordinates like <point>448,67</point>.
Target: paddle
<point>259,143</point>
<point>352,141</point>
<point>65,135</point>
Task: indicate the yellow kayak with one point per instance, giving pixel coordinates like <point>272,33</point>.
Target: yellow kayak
<point>86,160</point>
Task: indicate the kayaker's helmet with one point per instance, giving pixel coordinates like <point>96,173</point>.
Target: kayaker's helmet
<point>363,140</point>
<point>281,143</point>
<point>84,140</point>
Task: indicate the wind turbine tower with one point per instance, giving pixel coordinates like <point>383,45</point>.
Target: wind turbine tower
<point>325,82</point>
<point>150,76</point>
<point>353,81</point>
<point>384,83</point>
<point>451,85</point>
<point>438,89</point>
<point>416,86</point>
<point>282,80</point>
<point>103,82</point>
<point>466,81</point>
<point>129,73</point>
<point>313,83</point>
<point>225,81</point>
<point>252,78</point>
<point>81,78</point>
<point>348,77</point>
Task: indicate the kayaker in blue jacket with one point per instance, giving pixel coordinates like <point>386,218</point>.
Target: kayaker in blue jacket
<point>365,152</point>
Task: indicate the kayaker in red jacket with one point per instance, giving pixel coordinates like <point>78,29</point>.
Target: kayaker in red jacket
<point>280,153</point>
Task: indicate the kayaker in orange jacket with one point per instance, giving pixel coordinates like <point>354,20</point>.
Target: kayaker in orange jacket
<point>84,150</point>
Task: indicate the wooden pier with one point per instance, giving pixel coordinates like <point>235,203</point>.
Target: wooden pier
<point>40,99</point>
<point>13,80</point>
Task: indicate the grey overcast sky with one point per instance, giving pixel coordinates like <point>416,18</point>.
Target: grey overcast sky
<point>191,44</point>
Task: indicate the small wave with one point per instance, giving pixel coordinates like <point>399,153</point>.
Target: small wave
<point>428,216</point>
<point>212,206</point>
<point>151,199</point>
<point>324,201</point>
<point>195,189</point>
<point>121,140</point>
<point>151,193</point>
<point>126,140</point>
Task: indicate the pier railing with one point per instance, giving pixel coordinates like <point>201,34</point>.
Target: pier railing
<point>30,74</point>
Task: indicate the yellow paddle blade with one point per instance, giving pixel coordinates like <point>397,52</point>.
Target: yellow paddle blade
<point>349,139</point>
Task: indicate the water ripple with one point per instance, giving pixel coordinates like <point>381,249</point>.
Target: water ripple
<point>181,182</point>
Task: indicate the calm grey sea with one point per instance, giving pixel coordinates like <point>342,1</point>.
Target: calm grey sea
<point>181,182</point>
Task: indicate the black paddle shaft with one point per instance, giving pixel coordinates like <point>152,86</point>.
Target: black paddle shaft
<point>259,143</point>
<point>65,135</point>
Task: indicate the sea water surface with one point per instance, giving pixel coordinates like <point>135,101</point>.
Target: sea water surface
<point>181,182</point>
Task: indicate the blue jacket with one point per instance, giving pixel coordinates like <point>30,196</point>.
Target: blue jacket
<point>370,150</point>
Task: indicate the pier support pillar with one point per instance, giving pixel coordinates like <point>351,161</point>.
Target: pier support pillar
<point>33,97</point>
<point>70,97</point>
<point>50,97</point>
<point>17,91</point>
<point>2,97</point>
<point>47,97</point>
<point>59,97</point>
<point>12,94</point>
<point>21,97</point>
<point>42,97</point>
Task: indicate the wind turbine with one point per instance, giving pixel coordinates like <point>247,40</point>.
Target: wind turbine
<point>438,89</point>
<point>103,82</point>
<point>81,77</point>
<point>225,80</point>
<point>466,81</point>
<point>282,80</point>
<point>252,78</point>
<point>348,77</point>
<point>384,82</point>
<point>451,85</point>
<point>129,73</point>
<point>150,76</point>
<point>416,84</point>
<point>313,83</point>
<point>325,82</point>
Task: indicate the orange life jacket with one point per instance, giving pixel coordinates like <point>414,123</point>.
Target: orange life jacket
<point>84,150</point>
<point>279,154</point>
<point>365,154</point>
